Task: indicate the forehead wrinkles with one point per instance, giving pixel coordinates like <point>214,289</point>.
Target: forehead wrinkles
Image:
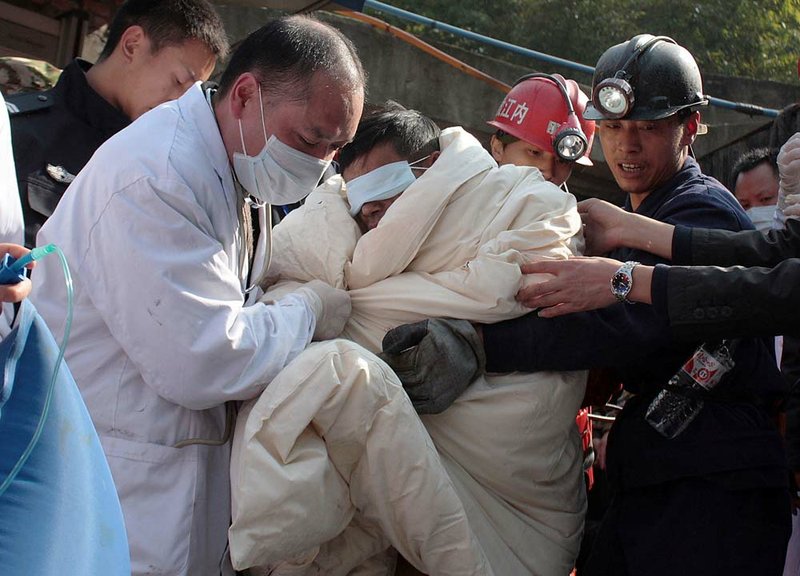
<point>322,99</point>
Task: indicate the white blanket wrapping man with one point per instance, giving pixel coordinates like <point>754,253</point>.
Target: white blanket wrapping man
<point>329,468</point>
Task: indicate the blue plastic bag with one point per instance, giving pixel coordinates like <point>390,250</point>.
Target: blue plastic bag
<point>59,510</point>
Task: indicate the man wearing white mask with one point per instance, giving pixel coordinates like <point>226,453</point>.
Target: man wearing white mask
<point>395,146</point>
<point>755,185</point>
<point>156,232</point>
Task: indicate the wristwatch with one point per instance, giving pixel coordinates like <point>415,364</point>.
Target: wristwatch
<point>622,281</point>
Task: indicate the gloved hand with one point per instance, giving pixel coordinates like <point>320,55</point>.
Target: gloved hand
<point>331,307</point>
<point>435,359</point>
<point>789,176</point>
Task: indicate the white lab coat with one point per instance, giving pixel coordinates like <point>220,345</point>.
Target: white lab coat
<point>11,226</point>
<point>161,337</point>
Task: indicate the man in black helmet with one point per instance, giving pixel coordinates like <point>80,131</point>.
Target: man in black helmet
<point>713,499</point>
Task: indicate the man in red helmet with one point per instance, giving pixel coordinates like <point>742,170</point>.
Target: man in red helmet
<point>540,111</point>
<point>540,123</point>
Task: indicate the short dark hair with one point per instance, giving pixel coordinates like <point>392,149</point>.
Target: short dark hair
<point>412,134</point>
<point>752,158</point>
<point>169,23</point>
<point>285,54</point>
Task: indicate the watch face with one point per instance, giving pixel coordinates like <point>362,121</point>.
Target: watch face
<point>621,283</point>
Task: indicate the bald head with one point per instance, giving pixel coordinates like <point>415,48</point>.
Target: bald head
<point>288,52</point>
<point>297,79</point>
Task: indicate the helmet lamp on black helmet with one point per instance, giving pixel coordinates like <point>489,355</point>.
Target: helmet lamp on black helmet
<point>646,78</point>
<point>614,97</point>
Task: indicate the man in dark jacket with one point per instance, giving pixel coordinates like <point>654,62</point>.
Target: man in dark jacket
<point>156,49</point>
<point>699,298</point>
<point>714,499</point>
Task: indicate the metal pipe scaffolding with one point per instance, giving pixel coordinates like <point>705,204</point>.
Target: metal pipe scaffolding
<point>744,108</point>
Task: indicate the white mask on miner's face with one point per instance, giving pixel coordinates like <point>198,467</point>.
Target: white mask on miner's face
<point>762,216</point>
<point>382,183</point>
<point>279,174</point>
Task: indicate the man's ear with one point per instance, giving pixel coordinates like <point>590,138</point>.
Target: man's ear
<point>497,148</point>
<point>691,128</point>
<point>434,155</point>
<point>132,43</point>
<point>244,93</point>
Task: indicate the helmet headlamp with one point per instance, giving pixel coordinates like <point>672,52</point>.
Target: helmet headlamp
<point>569,141</point>
<point>613,97</point>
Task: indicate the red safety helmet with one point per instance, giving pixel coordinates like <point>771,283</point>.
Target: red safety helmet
<point>536,110</point>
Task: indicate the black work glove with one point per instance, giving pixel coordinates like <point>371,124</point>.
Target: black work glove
<point>435,359</point>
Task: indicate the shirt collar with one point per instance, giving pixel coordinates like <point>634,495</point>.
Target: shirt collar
<point>85,103</point>
<point>657,197</point>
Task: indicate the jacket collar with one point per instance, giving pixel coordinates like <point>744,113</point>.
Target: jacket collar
<point>86,104</point>
<point>195,106</point>
<point>657,197</point>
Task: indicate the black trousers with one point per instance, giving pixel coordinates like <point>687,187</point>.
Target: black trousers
<point>695,526</point>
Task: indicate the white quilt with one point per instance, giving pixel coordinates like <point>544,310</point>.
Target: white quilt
<point>450,246</point>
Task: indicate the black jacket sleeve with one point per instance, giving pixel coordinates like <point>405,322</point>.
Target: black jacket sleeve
<point>708,302</point>
<point>697,247</point>
<point>611,337</point>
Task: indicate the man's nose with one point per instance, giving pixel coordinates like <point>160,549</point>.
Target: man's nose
<point>561,172</point>
<point>629,140</point>
<point>548,168</point>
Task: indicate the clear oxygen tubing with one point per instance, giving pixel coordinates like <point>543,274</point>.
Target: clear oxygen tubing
<point>34,255</point>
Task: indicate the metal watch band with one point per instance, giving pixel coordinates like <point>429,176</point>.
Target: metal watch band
<point>622,281</point>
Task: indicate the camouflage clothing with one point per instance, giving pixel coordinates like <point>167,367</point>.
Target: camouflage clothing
<point>25,75</point>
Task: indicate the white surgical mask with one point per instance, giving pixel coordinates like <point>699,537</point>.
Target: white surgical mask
<point>762,217</point>
<point>279,174</point>
<point>381,184</point>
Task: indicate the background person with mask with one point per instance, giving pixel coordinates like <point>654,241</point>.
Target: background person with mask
<point>755,185</point>
<point>156,50</point>
<point>154,235</point>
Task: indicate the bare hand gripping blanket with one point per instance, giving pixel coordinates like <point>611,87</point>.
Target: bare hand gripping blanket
<point>331,465</point>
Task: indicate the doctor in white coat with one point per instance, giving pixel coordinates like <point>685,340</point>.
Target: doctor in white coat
<point>155,233</point>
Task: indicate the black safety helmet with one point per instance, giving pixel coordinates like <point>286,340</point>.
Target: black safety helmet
<point>646,78</point>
